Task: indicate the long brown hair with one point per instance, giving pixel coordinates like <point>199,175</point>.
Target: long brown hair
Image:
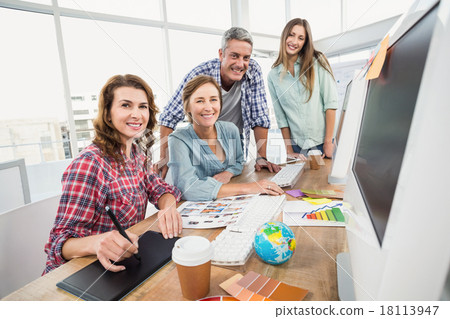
<point>307,55</point>
<point>192,86</point>
<point>107,137</point>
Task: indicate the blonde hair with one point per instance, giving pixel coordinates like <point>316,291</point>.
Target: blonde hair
<point>192,86</point>
<point>307,55</point>
<point>107,137</point>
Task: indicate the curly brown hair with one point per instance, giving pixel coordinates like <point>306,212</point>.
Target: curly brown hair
<point>107,137</point>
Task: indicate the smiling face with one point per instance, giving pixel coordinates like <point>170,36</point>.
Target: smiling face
<point>204,106</point>
<point>295,40</point>
<point>129,113</point>
<point>234,62</point>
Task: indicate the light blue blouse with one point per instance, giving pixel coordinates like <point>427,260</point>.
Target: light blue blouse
<point>192,162</point>
<point>305,119</point>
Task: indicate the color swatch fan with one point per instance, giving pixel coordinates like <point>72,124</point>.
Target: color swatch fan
<point>256,287</point>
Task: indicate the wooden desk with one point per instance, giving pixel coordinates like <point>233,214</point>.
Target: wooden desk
<point>312,266</point>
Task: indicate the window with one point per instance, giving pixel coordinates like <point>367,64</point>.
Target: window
<point>31,107</point>
<point>204,13</point>
<point>80,112</point>
<point>145,9</point>
<point>106,49</point>
<point>267,16</point>
<point>81,125</point>
<point>324,16</point>
<point>189,49</point>
<point>363,12</point>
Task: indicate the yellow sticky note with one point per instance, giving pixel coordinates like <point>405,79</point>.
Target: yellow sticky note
<point>317,201</point>
<point>375,68</point>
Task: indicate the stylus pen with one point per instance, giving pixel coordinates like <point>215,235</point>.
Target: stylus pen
<point>120,229</point>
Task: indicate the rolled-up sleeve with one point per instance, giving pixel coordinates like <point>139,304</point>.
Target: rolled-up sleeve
<point>328,89</point>
<point>158,187</point>
<point>184,174</point>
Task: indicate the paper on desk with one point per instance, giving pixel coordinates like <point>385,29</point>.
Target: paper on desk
<point>214,214</point>
<point>294,212</point>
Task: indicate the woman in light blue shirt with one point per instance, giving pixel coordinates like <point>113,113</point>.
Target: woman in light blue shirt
<point>303,92</point>
<point>206,154</point>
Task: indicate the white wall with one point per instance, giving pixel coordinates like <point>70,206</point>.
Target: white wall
<point>23,234</point>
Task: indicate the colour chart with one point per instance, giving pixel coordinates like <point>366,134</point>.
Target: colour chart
<point>256,287</point>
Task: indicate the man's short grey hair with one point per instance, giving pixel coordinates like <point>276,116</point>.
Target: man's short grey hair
<point>236,33</point>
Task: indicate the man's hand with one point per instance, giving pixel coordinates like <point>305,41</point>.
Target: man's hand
<point>223,177</point>
<point>263,163</point>
<point>161,168</point>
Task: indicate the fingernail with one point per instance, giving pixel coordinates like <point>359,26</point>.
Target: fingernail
<point>165,236</point>
<point>170,236</point>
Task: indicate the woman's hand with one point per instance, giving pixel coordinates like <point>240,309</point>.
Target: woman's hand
<point>223,177</point>
<point>169,222</point>
<point>113,247</point>
<point>266,187</point>
<point>328,149</point>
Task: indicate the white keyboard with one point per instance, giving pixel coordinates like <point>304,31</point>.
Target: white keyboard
<point>234,245</point>
<point>289,175</point>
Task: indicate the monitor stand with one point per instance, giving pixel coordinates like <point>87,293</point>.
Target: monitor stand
<point>346,290</point>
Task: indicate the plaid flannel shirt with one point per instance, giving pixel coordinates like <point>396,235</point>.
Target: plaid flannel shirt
<point>92,182</point>
<point>253,97</point>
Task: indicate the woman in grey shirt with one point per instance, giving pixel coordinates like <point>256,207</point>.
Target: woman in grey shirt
<point>206,154</point>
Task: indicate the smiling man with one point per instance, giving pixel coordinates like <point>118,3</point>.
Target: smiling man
<point>244,98</point>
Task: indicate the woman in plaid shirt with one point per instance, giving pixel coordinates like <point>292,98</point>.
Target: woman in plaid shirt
<point>113,171</point>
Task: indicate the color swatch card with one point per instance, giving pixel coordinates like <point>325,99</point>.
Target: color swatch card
<point>302,213</point>
<point>256,287</point>
<point>317,193</point>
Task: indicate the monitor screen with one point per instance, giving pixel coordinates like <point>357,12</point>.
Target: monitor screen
<point>388,112</point>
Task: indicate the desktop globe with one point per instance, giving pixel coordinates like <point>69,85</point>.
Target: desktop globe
<point>274,243</point>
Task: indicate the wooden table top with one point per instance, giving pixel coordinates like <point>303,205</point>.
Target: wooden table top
<point>311,267</point>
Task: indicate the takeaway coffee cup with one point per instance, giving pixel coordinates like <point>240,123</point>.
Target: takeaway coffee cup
<point>193,254</point>
<point>315,157</point>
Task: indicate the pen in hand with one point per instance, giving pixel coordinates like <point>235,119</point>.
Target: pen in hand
<point>120,229</point>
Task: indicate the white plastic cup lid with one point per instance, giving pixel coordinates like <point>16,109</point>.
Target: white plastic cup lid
<point>314,152</point>
<point>192,251</point>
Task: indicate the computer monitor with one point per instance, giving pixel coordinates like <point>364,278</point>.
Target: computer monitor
<point>398,229</point>
<point>347,130</point>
